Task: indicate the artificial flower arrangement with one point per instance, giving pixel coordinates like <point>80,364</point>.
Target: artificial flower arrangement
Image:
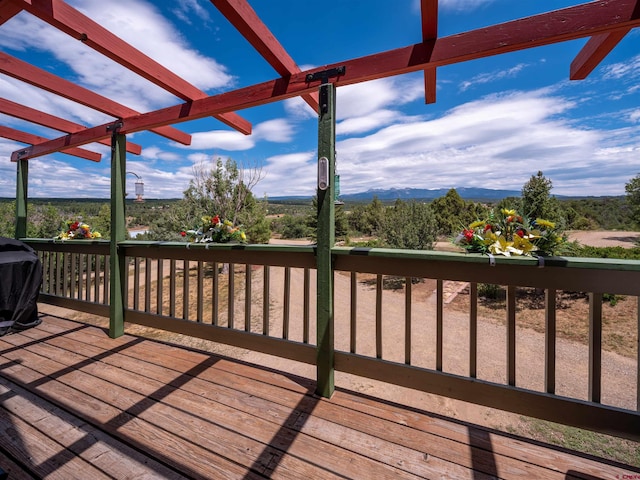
<point>215,230</point>
<point>77,230</point>
<point>507,233</point>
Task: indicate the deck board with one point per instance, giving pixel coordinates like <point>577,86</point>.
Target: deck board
<point>77,404</point>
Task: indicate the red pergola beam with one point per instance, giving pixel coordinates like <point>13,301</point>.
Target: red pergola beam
<point>37,77</point>
<point>8,10</point>
<point>46,120</point>
<point>69,20</point>
<point>429,14</point>
<point>23,137</point>
<point>247,22</point>
<point>595,50</point>
<point>567,24</point>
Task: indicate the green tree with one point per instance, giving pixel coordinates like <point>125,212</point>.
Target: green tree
<point>340,220</point>
<point>367,219</point>
<point>409,225</point>
<point>632,188</point>
<point>223,189</point>
<point>452,213</point>
<point>537,201</point>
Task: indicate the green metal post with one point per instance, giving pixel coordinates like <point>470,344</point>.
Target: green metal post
<point>118,234</point>
<point>21,198</point>
<point>326,240</point>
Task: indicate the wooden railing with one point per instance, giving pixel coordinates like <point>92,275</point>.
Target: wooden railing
<point>227,294</point>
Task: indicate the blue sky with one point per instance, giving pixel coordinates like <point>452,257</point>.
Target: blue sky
<point>497,121</point>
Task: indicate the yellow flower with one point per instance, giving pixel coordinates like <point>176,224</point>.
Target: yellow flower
<point>508,212</point>
<point>243,236</point>
<point>545,223</point>
<point>476,224</point>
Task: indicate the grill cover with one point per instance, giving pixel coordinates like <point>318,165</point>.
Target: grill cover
<point>20,280</point>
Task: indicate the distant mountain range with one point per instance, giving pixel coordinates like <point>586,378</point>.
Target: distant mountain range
<point>477,194</point>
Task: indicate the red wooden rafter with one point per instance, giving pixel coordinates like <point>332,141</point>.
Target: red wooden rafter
<point>24,137</point>
<point>596,49</point>
<point>8,10</point>
<point>575,22</point>
<point>42,79</point>
<point>46,120</point>
<point>69,20</point>
<point>247,22</point>
<point>429,14</point>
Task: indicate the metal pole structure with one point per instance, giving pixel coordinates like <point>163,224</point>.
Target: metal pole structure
<point>21,198</point>
<point>118,234</point>
<point>326,239</point>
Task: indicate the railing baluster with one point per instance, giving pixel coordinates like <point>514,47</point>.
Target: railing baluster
<point>379,316</point>
<point>231,296</point>
<point>185,289</point>
<point>73,275</point>
<point>87,278</point>
<point>407,320</point>
<point>439,323</point>
<point>473,330</point>
<point>66,276</point>
<point>159,285</point>
<point>265,299</point>
<point>200,294</point>
<point>286,303</point>
<point>550,341</point>
<point>59,276</point>
<point>595,346</point>
<point>52,271</point>
<point>96,280</point>
<point>354,311</point>
<point>136,283</point>
<point>511,335</point>
<point>147,285</point>
<point>215,302</point>
<point>172,288</point>
<point>81,262</point>
<point>105,286</point>
<point>247,298</point>
<point>307,306</point>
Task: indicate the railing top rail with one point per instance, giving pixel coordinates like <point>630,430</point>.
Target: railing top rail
<point>477,258</point>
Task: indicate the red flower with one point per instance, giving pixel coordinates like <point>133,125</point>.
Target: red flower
<point>520,233</point>
<point>468,234</point>
<point>183,233</point>
<point>487,227</point>
<point>215,220</point>
<point>75,225</point>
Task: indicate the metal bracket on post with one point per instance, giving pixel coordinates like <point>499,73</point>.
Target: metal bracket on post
<point>114,128</point>
<point>324,77</point>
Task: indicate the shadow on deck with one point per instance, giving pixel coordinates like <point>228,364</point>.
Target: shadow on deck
<point>77,404</point>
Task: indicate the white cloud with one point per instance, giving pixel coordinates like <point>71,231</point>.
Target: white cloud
<point>495,142</point>
<point>492,76</point>
<point>277,130</point>
<point>137,22</point>
<point>281,171</point>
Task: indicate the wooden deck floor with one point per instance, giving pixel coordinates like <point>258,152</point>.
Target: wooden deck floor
<point>77,404</point>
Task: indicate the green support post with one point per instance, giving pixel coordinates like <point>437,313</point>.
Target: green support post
<point>21,198</point>
<point>326,240</point>
<point>118,234</point>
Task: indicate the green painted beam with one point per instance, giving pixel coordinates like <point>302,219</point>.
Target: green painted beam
<point>21,198</point>
<point>326,240</point>
<point>118,233</point>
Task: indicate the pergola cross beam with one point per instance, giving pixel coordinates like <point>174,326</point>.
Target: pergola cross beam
<point>51,121</point>
<point>571,23</point>
<point>24,137</point>
<point>596,49</point>
<point>251,27</point>
<point>69,20</point>
<point>429,15</point>
<point>44,80</point>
